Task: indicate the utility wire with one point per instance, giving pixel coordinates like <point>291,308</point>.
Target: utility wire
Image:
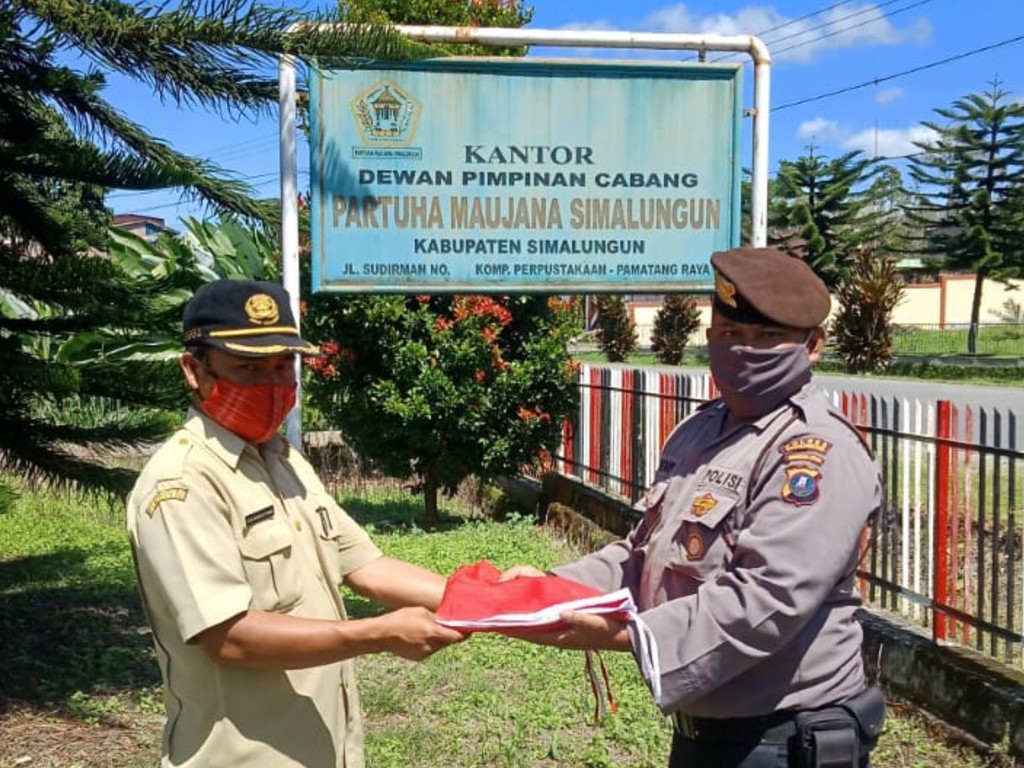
<point>904,73</point>
<point>848,28</point>
<point>790,22</point>
<point>828,24</point>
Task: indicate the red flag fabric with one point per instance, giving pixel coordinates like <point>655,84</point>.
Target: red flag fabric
<point>475,600</point>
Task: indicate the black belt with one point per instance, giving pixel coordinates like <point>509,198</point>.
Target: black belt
<point>777,728</point>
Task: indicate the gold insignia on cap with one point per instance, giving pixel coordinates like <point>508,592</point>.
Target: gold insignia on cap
<point>261,309</point>
<point>725,290</point>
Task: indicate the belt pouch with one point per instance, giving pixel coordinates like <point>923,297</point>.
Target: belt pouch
<point>868,708</point>
<point>827,738</point>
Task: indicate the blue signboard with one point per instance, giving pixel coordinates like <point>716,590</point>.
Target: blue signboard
<point>498,175</point>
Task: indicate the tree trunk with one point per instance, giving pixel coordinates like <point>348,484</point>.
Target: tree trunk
<point>431,517</point>
<point>972,334</point>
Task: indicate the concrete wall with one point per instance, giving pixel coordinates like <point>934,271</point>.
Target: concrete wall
<point>970,692</point>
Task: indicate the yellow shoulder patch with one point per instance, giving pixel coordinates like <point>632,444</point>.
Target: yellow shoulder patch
<point>802,445</point>
<point>167,494</point>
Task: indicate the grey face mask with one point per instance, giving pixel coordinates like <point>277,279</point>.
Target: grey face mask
<point>756,381</point>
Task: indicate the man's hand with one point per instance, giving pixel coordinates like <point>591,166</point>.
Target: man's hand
<point>585,632</point>
<point>413,633</point>
<point>521,571</point>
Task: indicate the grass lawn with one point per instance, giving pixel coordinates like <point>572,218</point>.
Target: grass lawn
<point>80,688</point>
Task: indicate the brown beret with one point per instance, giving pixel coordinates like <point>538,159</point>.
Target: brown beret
<point>767,286</point>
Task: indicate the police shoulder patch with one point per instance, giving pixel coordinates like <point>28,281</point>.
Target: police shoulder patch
<point>806,449</point>
<point>802,485</point>
<point>806,443</point>
<point>165,494</point>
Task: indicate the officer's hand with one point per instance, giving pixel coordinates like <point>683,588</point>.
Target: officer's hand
<point>585,632</point>
<point>413,633</point>
<point>517,571</point>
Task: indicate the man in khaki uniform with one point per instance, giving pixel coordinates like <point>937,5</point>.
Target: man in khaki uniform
<point>240,551</point>
<point>743,565</point>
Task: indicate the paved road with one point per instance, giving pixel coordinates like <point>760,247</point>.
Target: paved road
<point>1004,398</point>
<point>1008,402</point>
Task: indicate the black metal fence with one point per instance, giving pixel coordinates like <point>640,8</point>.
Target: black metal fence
<point>946,549</point>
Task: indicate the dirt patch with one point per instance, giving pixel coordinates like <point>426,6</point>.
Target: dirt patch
<point>35,738</point>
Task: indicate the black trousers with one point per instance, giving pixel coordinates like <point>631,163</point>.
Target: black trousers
<point>687,753</point>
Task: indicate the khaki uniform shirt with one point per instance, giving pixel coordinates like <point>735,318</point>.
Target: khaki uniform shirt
<point>219,527</point>
<point>743,566</point>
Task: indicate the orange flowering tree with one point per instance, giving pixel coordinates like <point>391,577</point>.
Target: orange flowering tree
<point>439,388</point>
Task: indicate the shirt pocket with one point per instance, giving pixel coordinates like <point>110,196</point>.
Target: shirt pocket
<point>270,567</point>
<point>702,545</point>
<point>330,528</point>
<point>650,507</point>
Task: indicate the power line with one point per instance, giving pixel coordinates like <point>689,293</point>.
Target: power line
<point>784,24</point>
<point>904,73</point>
<point>835,32</point>
<point>830,24</point>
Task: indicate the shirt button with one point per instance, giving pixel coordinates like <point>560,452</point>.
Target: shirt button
<point>298,525</point>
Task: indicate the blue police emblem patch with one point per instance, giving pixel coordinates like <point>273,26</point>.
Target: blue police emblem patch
<point>801,486</point>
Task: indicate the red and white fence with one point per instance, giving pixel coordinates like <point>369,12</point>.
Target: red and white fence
<point>946,550</point>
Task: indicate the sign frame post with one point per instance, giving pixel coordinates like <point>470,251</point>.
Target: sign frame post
<point>492,36</point>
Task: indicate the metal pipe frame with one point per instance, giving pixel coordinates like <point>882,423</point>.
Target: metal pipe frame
<point>497,36</point>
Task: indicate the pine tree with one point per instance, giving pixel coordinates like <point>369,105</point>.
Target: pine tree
<point>819,212</point>
<point>971,178</point>
<point>61,146</point>
<point>674,323</point>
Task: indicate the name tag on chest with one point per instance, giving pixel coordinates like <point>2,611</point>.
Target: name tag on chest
<point>722,478</point>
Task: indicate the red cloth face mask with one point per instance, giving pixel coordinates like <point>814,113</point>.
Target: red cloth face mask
<point>254,413</point>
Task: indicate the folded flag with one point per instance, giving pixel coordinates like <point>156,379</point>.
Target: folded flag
<point>475,600</point>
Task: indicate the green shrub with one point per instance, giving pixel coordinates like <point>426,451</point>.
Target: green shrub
<point>862,328</point>
<point>616,332</point>
<point>438,388</point>
<point>674,323</point>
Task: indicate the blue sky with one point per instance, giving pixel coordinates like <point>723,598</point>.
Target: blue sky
<point>818,47</point>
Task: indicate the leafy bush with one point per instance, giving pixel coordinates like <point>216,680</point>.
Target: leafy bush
<point>674,323</point>
<point>616,333</point>
<point>438,388</point>
<point>862,329</point>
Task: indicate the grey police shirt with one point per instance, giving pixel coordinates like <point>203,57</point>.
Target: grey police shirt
<point>743,566</point>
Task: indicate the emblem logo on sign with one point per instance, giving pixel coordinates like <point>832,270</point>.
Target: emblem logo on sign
<point>261,309</point>
<point>802,485</point>
<point>385,114</point>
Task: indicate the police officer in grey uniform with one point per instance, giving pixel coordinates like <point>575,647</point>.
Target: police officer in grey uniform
<point>743,567</point>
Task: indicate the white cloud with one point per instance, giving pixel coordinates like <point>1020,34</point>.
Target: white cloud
<point>889,142</point>
<point>601,25</point>
<point>820,129</point>
<point>888,96</point>
<point>881,142</point>
<point>850,25</point>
